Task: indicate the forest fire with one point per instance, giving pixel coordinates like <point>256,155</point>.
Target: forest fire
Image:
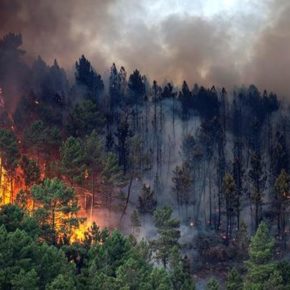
<point>6,186</point>
<point>11,189</point>
<point>143,145</point>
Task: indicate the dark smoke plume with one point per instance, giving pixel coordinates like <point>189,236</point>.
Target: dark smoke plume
<point>226,49</point>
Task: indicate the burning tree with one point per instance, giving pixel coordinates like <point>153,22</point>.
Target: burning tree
<point>56,208</point>
<point>9,156</point>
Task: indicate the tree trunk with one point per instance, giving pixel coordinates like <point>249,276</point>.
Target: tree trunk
<point>128,198</point>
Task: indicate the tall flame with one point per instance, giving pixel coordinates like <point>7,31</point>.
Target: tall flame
<point>6,186</point>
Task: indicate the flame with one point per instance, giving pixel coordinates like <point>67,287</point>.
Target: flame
<point>10,186</point>
<point>78,234</point>
<point>6,186</point>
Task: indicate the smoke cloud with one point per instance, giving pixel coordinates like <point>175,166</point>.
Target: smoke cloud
<point>270,64</point>
<point>166,40</point>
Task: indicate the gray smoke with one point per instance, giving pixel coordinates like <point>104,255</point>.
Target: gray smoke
<point>225,49</point>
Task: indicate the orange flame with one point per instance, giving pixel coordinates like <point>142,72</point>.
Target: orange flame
<point>6,186</point>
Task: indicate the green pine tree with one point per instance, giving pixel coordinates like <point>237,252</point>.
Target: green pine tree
<point>168,232</point>
<point>260,265</point>
<point>212,284</point>
<point>234,280</point>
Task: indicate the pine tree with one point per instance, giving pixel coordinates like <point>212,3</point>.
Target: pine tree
<point>212,284</point>
<point>180,278</point>
<point>84,118</point>
<point>275,282</point>
<point>73,159</point>
<point>112,178</point>
<point>182,184</point>
<point>260,265</point>
<point>89,79</point>
<point>56,208</point>
<point>62,282</point>
<point>234,280</point>
<point>168,232</point>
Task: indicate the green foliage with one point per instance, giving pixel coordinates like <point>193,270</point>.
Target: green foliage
<point>94,151</point>
<point>26,264</point>
<point>95,236</point>
<point>234,280</point>
<point>111,173</point>
<point>56,208</point>
<point>13,218</point>
<point>25,280</point>
<point>42,139</point>
<point>61,282</point>
<point>73,159</point>
<point>158,280</point>
<point>119,263</point>
<point>261,246</point>
<point>168,234</point>
<point>179,275</point>
<point>84,118</point>
<point>212,284</point>
<point>284,269</point>
<point>260,265</point>
<point>89,79</point>
<point>9,152</point>
<point>275,281</point>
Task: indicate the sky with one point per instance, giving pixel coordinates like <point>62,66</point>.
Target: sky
<point>210,42</point>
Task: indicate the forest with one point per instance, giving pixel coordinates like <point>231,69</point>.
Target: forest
<point>115,181</point>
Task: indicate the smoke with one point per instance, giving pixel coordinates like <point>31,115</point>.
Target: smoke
<point>249,44</point>
<point>57,29</point>
<point>270,65</point>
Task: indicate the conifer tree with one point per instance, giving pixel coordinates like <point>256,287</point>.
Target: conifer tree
<point>180,278</point>
<point>234,280</point>
<point>56,208</point>
<point>168,234</point>
<point>182,184</point>
<point>260,265</point>
<point>212,284</point>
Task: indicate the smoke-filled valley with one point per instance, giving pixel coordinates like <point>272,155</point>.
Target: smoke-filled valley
<point>115,181</point>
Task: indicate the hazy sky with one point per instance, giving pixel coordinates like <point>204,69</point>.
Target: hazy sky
<point>221,42</point>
